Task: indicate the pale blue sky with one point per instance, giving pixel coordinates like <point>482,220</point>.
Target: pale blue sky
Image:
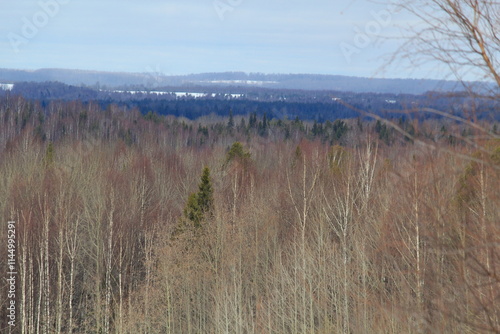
<point>193,36</point>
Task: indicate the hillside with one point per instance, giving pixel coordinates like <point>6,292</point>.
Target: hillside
<point>276,81</point>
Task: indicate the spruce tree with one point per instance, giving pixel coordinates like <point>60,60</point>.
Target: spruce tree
<point>49,155</point>
<point>205,193</point>
<point>230,123</point>
<point>237,152</point>
<point>192,210</point>
<point>199,205</point>
<point>253,120</point>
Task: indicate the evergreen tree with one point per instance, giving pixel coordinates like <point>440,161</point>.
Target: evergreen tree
<point>49,155</point>
<point>339,129</point>
<point>253,120</point>
<point>237,152</point>
<point>192,210</point>
<point>200,204</point>
<point>205,193</point>
<point>230,123</point>
<point>315,130</point>
<point>360,124</point>
<point>378,126</point>
<point>264,122</point>
<point>263,125</point>
<point>243,124</point>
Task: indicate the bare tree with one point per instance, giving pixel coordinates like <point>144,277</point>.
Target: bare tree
<point>463,35</point>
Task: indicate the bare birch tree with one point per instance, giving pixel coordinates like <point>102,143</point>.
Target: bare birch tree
<point>462,35</point>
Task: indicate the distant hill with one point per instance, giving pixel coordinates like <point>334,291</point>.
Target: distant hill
<point>98,79</point>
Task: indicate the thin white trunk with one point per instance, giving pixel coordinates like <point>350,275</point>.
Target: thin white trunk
<point>71,244</point>
<point>120,288</point>
<point>46,260</point>
<point>23,269</point>
<point>70,294</point>
<point>60,283</point>
<point>418,249</point>
<point>109,259</point>
<point>40,292</point>
<point>148,244</point>
<point>235,198</point>
<point>31,294</point>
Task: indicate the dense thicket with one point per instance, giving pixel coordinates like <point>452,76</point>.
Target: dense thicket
<point>310,228</point>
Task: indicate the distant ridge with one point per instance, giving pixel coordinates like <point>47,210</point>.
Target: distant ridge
<point>276,81</point>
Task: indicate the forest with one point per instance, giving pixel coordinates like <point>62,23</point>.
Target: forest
<point>130,222</point>
<point>319,105</point>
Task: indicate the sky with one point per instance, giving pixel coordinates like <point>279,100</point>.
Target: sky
<point>197,36</point>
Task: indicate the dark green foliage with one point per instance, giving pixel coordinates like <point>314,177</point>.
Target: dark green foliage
<point>192,210</point>
<point>378,126</point>
<point>200,205</point>
<point>339,129</point>
<point>466,188</point>
<point>359,124</point>
<point>39,133</point>
<point>205,193</point>
<point>49,155</point>
<point>264,125</point>
<point>243,124</point>
<point>329,131</point>
<point>495,156</point>
<point>203,130</point>
<point>252,122</point>
<point>230,122</point>
<point>298,124</point>
<point>383,132</point>
<point>83,116</point>
<point>153,117</point>
<point>238,153</point>
<point>452,140</point>
<point>126,136</point>
<point>405,124</point>
<point>317,129</point>
<point>297,156</point>
<point>411,131</point>
<point>41,117</point>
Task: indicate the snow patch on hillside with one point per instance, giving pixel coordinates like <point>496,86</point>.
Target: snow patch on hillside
<point>6,86</point>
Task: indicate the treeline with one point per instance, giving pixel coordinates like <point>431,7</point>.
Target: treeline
<point>56,120</point>
<point>132,223</point>
<point>281,104</point>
